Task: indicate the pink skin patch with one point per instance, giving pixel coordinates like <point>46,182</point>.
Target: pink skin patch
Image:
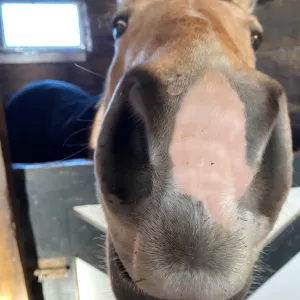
<point>135,252</point>
<point>208,148</point>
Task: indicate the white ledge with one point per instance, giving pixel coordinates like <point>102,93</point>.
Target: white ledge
<point>94,215</point>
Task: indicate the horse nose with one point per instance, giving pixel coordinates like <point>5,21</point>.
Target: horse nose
<point>123,164</point>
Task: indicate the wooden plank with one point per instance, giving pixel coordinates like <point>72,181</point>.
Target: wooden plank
<point>12,279</point>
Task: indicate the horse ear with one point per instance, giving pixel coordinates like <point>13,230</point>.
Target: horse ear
<point>247,5</point>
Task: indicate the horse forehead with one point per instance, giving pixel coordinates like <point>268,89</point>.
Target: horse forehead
<point>180,24</point>
<point>191,19</point>
<point>160,7</point>
<point>170,3</point>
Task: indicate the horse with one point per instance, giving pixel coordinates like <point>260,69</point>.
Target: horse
<point>193,153</point>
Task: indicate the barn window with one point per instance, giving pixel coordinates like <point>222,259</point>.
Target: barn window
<point>44,31</point>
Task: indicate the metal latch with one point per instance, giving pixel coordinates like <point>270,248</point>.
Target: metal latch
<point>51,268</point>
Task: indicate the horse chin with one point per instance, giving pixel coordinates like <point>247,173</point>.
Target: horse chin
<point>124,287</point>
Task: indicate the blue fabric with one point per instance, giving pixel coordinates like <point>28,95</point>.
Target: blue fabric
<point>49,120</point>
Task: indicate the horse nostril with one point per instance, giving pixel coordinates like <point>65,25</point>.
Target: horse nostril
<point>123,162</point>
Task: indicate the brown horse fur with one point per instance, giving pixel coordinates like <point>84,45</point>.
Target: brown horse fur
<point>194,154</point>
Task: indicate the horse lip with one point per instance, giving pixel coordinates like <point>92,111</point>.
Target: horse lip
<point>125,277</point>
<point>121,268</point>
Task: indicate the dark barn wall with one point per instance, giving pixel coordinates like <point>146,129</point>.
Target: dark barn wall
<point>278,57</point>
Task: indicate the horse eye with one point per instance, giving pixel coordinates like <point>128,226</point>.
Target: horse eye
<point>119,26</point>
<point>256,39</point>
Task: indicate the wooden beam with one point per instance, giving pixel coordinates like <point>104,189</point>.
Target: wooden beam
<point>12,279</point>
